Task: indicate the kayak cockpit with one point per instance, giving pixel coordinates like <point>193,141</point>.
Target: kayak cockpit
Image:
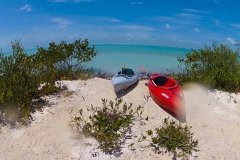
<point>126,71</point>
<point>162,81</point>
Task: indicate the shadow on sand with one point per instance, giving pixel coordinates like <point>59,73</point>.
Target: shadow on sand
<point>126,91</point>
<point>180,118</point>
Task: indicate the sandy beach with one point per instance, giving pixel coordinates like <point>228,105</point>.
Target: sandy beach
<point>213,115</point>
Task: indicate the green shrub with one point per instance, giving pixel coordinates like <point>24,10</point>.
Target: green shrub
<point>174,138</point>
<point>21,74</point>
<point>64,60</point>
<point>109,124</point>
<point>216,66</point>
<point>18,81</point>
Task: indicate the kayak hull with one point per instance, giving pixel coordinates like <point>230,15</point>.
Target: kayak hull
<point>122,82</point>
<point>169,96</point>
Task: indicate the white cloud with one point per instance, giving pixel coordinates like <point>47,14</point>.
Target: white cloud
<point>167,26</point>
<point>188,15</point>
<point>236,25</point>
<point>26,8</point>
<point>57,1</point>
<point>217,22</point>
<point>108,19</point>
<point>71,1</point>
<point>129,35</point>
<point>127,28</point>
<point>164,19</point>
<point>231,40</point>
<point>79,1</point>
<point>195,11</point>
<point>136,27</point>
<point>216,2</point>
<point>196,30</point>
<point>136,3</point>
<point>61,22</point>
<point>178,21</point>
<point>134,36</point>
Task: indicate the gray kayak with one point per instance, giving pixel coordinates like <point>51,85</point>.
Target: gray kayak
<point>123,80</point>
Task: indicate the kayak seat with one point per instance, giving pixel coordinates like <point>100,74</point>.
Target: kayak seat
<point>160,81</point>
<point>127,71</point>
<point>164,81</point>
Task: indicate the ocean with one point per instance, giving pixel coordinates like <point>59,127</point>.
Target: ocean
<point>111,58</point>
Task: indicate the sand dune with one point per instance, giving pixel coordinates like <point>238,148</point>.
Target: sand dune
<point>214,116</point>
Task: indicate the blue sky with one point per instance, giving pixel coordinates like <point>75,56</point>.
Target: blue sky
<point>179,23</point>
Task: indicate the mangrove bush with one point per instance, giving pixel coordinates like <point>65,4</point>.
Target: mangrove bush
<point>19,82</point>
<point>64,60</point>
<point>216,66</point>
<point>25,77</point>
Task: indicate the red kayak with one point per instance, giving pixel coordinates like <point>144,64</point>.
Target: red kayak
<point>167,93</point>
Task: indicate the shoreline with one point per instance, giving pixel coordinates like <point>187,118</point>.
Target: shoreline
<point>108,75</point>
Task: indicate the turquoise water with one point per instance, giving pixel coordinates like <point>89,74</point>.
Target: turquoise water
<point>111,58</point>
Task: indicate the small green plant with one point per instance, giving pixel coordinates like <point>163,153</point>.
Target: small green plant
<point>173,138</point>
<point>109,124</point>
<point>83,74</point>
<point>216,66</point>
<point>49,89</point>
<point>146,97</point>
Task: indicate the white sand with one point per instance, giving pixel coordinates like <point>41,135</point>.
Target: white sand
<point>214,116</point>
